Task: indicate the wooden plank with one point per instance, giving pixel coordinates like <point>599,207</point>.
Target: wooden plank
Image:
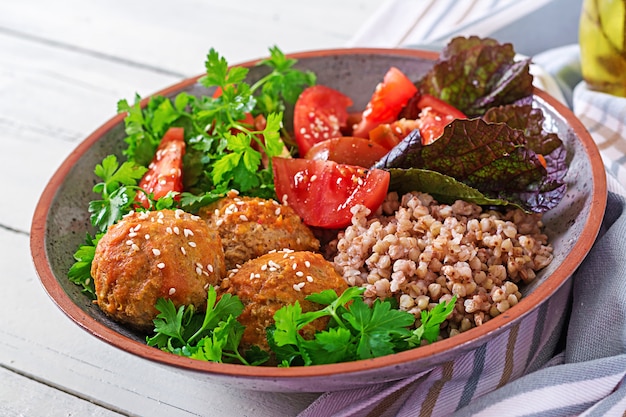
<point>175,36</point>
<point>48,107</point>
<point>38,340</point>
<point>22,396</point>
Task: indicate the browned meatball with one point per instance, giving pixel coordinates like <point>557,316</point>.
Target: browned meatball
<point>251,227</point>
<point>149,255</point>
<point>269,282</point>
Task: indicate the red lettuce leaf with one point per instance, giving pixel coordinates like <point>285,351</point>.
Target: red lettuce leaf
<point>530,120</point>
<point>493,158</point>
<point>474,74</point>
<point>465,147</point>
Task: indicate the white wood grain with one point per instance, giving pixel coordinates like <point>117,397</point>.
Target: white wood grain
<point>51,99</point>
<point>175,36</point>
<point>63,67</point>
<point>21,396</point>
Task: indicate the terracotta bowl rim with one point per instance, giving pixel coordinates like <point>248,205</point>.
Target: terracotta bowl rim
<point>525,306</point>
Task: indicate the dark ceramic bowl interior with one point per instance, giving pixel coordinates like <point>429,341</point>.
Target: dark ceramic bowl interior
<point>61,221</point>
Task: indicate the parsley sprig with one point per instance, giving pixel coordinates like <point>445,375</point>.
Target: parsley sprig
<point>213,336</point>
<point>230,132</point>
<point>118,189</point>
<point>356,330</point>
<point>80,271</point>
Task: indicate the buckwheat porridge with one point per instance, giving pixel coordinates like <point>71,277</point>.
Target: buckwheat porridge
<point>422,252</point>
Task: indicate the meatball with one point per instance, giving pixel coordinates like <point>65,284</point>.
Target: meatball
<point>269,282</point>
<point>251,227</point>
<point>149,255</point>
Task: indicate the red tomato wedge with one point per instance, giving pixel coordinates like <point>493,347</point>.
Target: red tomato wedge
<point>165,171</point>
<point>434,117</point>
<point>347,150</point>
<point>323,192</point>
<point>440,106</point>
<point>387,101</point>
<point>319,113</point>
<point>389,135</point>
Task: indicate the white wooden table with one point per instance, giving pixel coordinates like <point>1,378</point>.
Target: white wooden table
<point>64,64</point>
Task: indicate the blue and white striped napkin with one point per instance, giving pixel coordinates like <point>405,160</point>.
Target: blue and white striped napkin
<point>552,363</point>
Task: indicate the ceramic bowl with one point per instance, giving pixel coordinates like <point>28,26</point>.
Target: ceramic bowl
<point>61,221</point>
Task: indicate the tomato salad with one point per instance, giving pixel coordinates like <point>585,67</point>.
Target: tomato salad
<point>456,136</point>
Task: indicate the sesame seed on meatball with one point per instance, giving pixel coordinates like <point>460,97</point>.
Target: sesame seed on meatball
<point>151,255</point>
<point>269,282</point>
<point>251,227</point>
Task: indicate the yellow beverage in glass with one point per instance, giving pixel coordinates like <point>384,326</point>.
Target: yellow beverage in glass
<point>603,45</point>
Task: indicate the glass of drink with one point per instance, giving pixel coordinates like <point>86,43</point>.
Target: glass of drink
<point>603,45</point>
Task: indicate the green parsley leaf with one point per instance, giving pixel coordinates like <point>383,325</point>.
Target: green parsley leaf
<point>431,321</point>
<point>286,319</point>
<point>336,305</point>
<point>166,202</point>
<point>283,84</point>
<point>118,190</point>
<point>222,343</point>
<point>356,331</point>
<point>376,326</point>
<point>217,311</point>
<point>256,356</point>
<point>213,336</point>
<point>219,74</point>
<point>331,346</point>
<point>146,126</point>
<point>192,202</point>
<point>208,349</point>
<point>168,325</point>
<point>274,145</point>
<point>80,272</point>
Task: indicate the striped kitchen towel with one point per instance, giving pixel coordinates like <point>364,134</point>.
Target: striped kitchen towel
<point>603,115</point>
<point>605,118</point>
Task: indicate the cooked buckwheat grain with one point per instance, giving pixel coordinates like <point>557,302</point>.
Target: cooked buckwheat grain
<point>423,253</point>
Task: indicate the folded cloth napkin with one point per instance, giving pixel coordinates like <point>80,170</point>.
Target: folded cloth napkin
<point>552,364</point>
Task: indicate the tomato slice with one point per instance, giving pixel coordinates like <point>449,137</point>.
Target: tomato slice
<point>320,113</point>
<point>347,150</point>
<point>389,135</point>
<point>440,106</point>
<point>434,117</point>
<point>387,102</point>
<point>323,192</point>
<point>165,171</point>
